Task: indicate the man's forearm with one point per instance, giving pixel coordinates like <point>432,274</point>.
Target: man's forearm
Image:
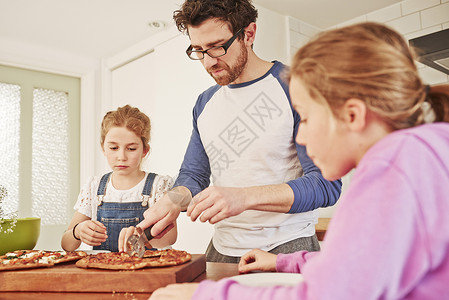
<point>274,198</point>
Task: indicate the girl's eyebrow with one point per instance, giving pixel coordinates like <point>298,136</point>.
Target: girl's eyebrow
<point>112,142</point>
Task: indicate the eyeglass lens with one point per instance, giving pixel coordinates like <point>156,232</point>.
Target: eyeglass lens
<point>214,51</point>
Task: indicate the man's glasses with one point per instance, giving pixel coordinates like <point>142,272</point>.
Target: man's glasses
<point>213,52</point>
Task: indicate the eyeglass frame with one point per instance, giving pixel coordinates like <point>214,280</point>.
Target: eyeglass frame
<point>225,46</point>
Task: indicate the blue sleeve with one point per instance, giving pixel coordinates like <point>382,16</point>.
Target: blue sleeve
<point>311,190</point>
<point>195,169</point>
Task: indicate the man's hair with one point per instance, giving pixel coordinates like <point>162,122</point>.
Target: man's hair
<point>237,13</point>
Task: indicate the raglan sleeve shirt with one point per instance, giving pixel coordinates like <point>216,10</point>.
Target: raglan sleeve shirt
<point>195,169</point>
<point>310,190</point>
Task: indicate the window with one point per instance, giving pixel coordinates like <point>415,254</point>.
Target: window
<point>40,147</point>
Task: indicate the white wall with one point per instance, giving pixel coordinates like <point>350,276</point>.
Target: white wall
<point>271,36</point>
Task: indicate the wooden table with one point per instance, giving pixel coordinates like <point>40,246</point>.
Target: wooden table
<point>214,271</point>
<point>321,227</point>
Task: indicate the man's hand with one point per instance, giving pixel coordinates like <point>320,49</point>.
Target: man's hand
<point>257,260</point>
<point>217,203</point>
<point>165,211</point>
<point>91,232</point>
<point>180,291</point>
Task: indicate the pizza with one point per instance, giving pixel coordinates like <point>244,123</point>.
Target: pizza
<point>123,261</point>
<point>28,259</point>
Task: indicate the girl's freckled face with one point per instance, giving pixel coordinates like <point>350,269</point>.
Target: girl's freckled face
<point>123,150</point>
<point>319,131</point>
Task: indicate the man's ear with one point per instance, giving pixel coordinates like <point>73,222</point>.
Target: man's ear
<point>250,34</point>
<point>354,113</point>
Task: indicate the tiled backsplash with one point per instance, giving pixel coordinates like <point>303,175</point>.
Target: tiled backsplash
<point>411,18</point>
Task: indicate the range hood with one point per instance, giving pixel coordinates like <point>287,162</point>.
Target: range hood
<point>433,50</point>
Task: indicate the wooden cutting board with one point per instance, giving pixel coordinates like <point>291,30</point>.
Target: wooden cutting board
<point>69,278</point>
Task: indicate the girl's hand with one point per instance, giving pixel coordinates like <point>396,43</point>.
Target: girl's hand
<point>175,292</point>
<point>91,232</point>
<point>125,233</point>
<point>257,260</point>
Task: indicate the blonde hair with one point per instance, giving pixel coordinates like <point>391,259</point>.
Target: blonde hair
<point>371,62</point>
<point>131,118</point>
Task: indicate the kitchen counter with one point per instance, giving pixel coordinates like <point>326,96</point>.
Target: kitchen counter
<point>214,271</point>
<point>321,227</point>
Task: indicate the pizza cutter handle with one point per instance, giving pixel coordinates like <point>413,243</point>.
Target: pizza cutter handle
<point>147,232</point>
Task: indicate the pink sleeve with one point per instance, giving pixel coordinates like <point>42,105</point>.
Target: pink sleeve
<point>292,263</point>
<point>230,289</point>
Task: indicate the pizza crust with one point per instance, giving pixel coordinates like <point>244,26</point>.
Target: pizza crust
<point>70,256</point>
<point>122,261</point>
<point>22,267</point>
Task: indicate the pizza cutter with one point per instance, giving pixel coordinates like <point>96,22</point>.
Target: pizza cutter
<point>136,243</point>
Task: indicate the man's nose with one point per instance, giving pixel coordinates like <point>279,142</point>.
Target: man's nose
<point>208,61</point>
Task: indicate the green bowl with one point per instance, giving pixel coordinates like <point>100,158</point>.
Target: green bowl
<point>23,237</point>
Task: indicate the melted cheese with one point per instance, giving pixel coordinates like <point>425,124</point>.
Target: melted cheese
<point>46,259</point>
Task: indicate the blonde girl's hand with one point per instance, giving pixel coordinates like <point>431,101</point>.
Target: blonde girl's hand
<point>91,232</point>
<point>180,291</point>
<point>257,260</point>
<point>125,233</point>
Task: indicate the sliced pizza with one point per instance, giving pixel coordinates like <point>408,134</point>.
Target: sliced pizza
<point>29,259</point>
<point>123,261</point>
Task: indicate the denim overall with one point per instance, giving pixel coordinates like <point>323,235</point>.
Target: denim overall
<point>115,215</point>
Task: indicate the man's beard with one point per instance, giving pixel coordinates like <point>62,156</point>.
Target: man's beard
<point>231,73</point>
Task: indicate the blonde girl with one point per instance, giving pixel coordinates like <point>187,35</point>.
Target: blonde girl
<point>117,200</point>
<point>363,106</point>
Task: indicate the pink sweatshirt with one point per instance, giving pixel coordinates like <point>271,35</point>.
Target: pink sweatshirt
<point>389,237</point>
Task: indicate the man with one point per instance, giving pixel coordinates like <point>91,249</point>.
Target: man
<point>265,187</point>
